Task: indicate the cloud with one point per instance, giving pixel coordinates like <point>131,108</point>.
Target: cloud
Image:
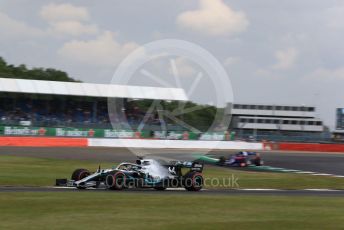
<point>73,28</point>
<point>13,29</point>
<point>285,58</point>
<point>334,16</point>
<point>64,12</point>
<point>102,51</point>
<point>67,19</point>
<point>213,18</point>
<point>230,61</point>
<point>326,75</point>
<point>263,72</point>
<point>184,67</point>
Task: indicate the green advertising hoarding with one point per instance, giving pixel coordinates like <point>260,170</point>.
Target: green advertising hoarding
<point>110,133</point>
<point>70,132</point>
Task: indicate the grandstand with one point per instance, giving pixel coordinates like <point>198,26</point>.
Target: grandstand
<point>75,105</point>
<point>71,104</point>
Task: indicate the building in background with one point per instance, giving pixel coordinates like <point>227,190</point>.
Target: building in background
<point>340,119</point>
<point>338,134</point>
<point>275,122</point>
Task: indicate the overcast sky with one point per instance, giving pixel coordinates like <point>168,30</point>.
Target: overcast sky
<point>280,52</point>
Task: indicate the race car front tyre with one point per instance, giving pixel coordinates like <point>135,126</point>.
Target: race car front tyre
<point>80,174</point>
<point>116,181</point>
<point>193,181</point>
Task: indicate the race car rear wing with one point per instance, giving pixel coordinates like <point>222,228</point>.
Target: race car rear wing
<point>194,166</point>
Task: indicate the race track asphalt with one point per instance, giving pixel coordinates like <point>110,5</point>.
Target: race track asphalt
<point>331,163</point>
<point>222,192</point>
<point>317,162</point>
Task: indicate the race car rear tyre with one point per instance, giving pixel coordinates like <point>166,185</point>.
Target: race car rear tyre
<point>160,188</point>
<point>116,181</point>
<point>257,162</point>
<point>80,174</point>
<point>193,181</point>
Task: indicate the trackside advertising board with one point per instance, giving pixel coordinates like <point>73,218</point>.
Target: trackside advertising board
<point>110,133</point>
<point>70,132</point>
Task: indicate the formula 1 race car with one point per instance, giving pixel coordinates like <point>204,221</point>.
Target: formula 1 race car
<point>241,159</point>
<point>145,173</point>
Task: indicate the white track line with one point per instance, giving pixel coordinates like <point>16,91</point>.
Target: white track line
<point>338,176</point>
<point>258,189</point>
<point>308,172</point>
<point>322,174</point>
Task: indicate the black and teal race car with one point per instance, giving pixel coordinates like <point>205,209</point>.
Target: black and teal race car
<point>144,173</point>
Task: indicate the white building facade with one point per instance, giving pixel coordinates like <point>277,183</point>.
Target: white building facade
<point>283,119</point>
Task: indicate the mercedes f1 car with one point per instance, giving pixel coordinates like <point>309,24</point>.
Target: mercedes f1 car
<point>241,159</point>
<point>145,173</point>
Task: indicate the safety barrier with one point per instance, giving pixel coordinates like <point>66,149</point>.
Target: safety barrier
<point>43,142</point>
<point>312,147</point>
<point>128,143</point>
<point>174,144</point>
<point>167,144</point>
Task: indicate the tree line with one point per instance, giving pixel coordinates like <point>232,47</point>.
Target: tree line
<point>22,72</point>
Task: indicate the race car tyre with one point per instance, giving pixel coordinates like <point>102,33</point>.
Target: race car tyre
<point>193,181</point>
<point>160,188</point>
<point>257,162</point>
<point>115,181</point>
<point>80,174</point>
<point>222,160</point>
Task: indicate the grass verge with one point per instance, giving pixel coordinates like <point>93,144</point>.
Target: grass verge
<point>111,210</point>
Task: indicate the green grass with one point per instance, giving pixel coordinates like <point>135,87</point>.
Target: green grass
<point>29,171</point>
<point>111,210</point>
<point>120,210</point>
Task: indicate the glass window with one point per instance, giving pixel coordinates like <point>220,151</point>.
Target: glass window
<point>285,122</point>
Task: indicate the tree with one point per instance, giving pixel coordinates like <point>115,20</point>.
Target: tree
<point>22,72</point>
